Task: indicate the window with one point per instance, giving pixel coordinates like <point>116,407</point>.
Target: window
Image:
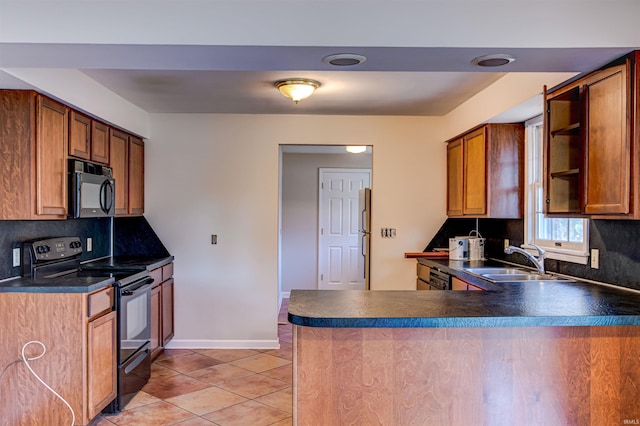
<point>563,238</point>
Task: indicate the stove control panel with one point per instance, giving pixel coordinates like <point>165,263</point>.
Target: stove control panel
<point>55,248</point>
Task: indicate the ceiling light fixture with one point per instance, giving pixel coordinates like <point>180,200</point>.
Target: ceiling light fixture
<point>344,59</point>
<point>493,60</point>
<point>356,149</point>
<point>297,88</point>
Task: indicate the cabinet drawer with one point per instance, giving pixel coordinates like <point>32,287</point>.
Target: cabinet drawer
<point>156,274</point>
<point>100,302</point>
<point>167,271</point>
<point>423,272</point>
<point>422,285</point>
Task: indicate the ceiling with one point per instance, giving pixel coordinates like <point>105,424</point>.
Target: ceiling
<point>406,81</point>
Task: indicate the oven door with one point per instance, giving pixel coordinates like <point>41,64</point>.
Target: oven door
<point>135,317</point>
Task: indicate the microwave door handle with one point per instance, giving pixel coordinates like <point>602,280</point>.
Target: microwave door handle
<point>106,190</point>
<point>111,195</point>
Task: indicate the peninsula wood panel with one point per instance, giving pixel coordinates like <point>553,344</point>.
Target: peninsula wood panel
<point>455,376</point>
<point>56,321</point>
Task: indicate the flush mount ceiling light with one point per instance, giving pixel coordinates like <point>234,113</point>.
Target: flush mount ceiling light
<point>297,88</point>
<point>494,60</point>
<point>356,149</point>
<point>344,59</point>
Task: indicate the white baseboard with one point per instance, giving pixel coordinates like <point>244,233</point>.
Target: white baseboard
<point>285,295</point>
<point>223,344</point>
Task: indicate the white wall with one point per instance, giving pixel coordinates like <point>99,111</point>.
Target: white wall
<point>299,247</point>
<point>218,174</point>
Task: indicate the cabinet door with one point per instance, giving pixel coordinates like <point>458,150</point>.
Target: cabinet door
<point>458,284</point>
<point>156,321</point>
<point>608,155</point>
<point>167,311</point>
<point>136,176</point>
<point>563,150</point>
<point>79,136</point>
<point>474,173</point>
<point>99,142</point>
<point>51,157</point>
<point>101,363</point>
<point>454,178</point>
<point>119,161</point>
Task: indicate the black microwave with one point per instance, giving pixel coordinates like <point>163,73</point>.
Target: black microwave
<point>91,190</point>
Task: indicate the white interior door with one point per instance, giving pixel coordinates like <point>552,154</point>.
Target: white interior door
<point>338,252</point>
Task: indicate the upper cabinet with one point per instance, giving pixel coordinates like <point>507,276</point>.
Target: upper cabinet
<point>592,142</point>
<point>127,162</point>
<point>33,140</point>
<point>38,135</point>
<point>88,138</point>
<point>485,172</point>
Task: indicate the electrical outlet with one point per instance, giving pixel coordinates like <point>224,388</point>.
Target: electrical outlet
<point>506,243</point>
<point>595,258</point>
<point>89,244</point>
<point>16,257</point>
<point>214,239</point>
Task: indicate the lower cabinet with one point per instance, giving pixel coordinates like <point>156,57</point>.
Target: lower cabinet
<point>458,284</point>
<point>79,333</point>
<point>161,309</point>
<point>101,361</point>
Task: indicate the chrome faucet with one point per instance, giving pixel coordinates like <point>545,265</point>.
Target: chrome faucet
<point>538,261</point>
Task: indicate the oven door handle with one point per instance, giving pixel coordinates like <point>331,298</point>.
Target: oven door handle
<point>130,290</point>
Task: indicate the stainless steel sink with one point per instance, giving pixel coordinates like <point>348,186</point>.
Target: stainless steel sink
<point>494,270</point>
<point>509,274</point>
<point>519,277</point>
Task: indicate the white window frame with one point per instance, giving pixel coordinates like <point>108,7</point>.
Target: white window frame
<point>571,252</point>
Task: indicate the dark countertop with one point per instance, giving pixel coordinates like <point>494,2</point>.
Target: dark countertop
<point>73,283</point>
<point>504,304</point>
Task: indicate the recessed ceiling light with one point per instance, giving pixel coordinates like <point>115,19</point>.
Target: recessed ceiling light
<point>344,59</point>
<point>493,60</point>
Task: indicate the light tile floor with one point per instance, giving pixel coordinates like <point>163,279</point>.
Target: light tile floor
<point>225,387</point>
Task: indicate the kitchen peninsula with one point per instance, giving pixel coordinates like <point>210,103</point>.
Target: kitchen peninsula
<point>521,353</point>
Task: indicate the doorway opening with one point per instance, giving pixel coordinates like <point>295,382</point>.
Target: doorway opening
<point>299,209</point>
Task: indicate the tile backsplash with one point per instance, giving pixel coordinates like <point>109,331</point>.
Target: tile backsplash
<point>617,240</point>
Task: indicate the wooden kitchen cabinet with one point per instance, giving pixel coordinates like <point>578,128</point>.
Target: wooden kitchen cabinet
<point>88,138</point>
<point>454,178</point>
<point>458,284</point>
<point>485,172</point>
<point>136,176</point>
<point>592,142</point>
<point>422,281</point>
<point>127,162</point>
<point>101,361</point>
<point>119,163</point>
<point>79,332</point>
<point>33,142</point>
<point>156,321</point>
<point>162,317</point>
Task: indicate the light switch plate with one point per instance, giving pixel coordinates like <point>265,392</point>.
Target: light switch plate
<point>89,244</point>
<point>595,258</point>
<point>506,243</point>
<point>16,257</point>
